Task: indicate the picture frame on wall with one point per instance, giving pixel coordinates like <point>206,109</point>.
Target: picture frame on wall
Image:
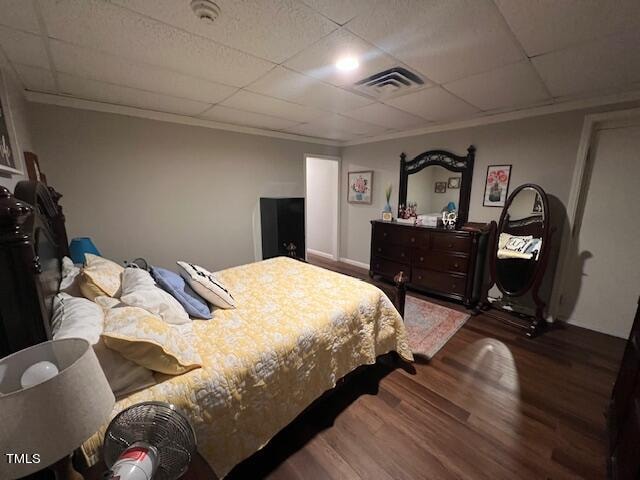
<point>440,187</point>
<point>360,187</point>
<point>9,148</point>
<point>453,183</point>
<point>496,185</point>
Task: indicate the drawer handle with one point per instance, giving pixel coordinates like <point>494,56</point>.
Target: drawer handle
<point>449,245</point>
<point>402,254</point>
<point>377,266</point>
<point>384,234</point>
<point>455,265</point>
<point>379,249</point>
<point>419,277</point>
<point>413,239</point>
<point>422,259</point>
<point>453,285</point>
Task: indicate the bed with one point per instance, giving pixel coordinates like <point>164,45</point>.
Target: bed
<point>297,330</point>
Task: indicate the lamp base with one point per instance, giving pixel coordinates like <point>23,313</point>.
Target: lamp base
<point>63,470</point>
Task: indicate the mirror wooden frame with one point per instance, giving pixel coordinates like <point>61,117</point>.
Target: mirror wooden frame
<point>533,285</point>
<point>448,160</point>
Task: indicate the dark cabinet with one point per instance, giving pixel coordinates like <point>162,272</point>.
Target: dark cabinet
<point>435,260</point>
<point>624,412</point>
<point>282,224</point>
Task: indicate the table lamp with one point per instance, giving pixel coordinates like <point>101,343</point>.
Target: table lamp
<point>53,397</point>
<point>79,246</point>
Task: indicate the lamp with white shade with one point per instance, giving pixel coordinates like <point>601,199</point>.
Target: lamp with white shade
<point>53,397</point>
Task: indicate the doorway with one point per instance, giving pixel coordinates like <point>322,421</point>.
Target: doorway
<point>322,191</point>
<point>601,285</point>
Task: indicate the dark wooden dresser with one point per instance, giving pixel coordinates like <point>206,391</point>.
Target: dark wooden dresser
<point>435,260</point>
<point>624,412</point>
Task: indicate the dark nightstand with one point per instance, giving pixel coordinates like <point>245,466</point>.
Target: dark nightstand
<point>198,470</point>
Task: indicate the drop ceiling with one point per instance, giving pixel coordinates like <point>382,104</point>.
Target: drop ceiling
<point>269,64</point>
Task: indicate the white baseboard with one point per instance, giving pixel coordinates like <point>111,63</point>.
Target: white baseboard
<point>320,254</point>
<point>355,263</point>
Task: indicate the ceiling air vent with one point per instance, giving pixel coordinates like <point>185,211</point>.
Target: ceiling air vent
<point>390,83</point>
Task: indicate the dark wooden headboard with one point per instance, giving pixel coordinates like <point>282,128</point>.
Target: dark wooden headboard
<point>33,241</point>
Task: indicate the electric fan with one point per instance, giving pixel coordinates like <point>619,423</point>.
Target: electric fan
<point>149,440</point>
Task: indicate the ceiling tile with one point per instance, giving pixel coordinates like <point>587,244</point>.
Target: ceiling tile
<point>253,102</point>
<point>434,104</point>
<point>590,67</point>
<point>444,40</point>
<point>545,26</point>
<point>386,116</point>
<point>100,66</point>
<point>36,79</point>
<point>23,48</point>
<point>515,85</point>
<point>319,60</point>
<point>338,10</point>
<point>224,114</point>
<point>116,94</point>
<point>289,85</point>
<point>103,26</point>
<point>274,29</point>
<point>338,127</point>
<point>19,14</point>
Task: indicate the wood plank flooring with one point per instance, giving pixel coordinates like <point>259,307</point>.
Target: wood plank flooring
<point>490,405</point>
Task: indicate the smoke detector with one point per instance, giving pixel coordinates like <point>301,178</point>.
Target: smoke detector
<point>205,10</point>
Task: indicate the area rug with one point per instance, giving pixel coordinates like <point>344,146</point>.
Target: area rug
<point>430,326</point>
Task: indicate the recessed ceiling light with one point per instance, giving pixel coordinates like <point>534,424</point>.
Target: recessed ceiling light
<point>346,64</point>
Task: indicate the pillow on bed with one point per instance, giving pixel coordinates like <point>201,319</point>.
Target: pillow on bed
<point>70,282</point>
<point>76,317</point>
<point>139,290</point>
<point>206,285</point>
<point>100,276</point>
<point>146,340</point>
<point>175,285</point>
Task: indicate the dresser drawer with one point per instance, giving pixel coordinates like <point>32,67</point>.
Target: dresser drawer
<point>441,262</point>
<point>392,252</point>
<point>390,234</point>
<point>449,242</point>
<point>439,281</point>
<point>388,268</point>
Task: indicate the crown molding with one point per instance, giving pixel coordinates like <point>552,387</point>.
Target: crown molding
<point>72,102</point>
<point>506,116</point>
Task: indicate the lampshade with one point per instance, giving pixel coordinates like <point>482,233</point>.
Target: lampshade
<point>79,246</point>
<point>52,418</point>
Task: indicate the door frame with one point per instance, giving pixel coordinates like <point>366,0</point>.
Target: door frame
<point>592,123</point>
<point>336,241</point>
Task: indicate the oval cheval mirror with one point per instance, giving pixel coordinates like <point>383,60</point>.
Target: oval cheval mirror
<point>521,245</point>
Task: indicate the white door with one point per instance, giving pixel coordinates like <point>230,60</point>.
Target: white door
<point>602,292</point>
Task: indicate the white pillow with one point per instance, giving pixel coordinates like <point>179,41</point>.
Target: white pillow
<point>76,317</point>
<point>139,290</point>
<point>205,284</point>
<point>69,283</point>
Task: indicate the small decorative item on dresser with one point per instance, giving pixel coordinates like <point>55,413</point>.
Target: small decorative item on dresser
<point>441,187</point>
<point>360,186</point>
<point>387,214</point>
<point>496,187</point>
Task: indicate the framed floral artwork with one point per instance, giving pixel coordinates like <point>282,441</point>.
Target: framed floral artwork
<point>360,186</point>
<point>440,187</point>
<point>496,186</point>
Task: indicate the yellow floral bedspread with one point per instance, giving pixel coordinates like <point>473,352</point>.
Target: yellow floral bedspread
<point>296,331</point>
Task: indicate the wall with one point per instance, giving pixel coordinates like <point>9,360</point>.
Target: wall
<point>542,150</point>
<point>163,191</point>
<point>18,108</point>
<point>322,205</point>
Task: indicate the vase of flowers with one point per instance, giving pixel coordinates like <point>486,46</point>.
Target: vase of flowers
<point>387,194</point>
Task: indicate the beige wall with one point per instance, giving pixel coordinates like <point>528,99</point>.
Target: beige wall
<point>18,107</point>
<point>165,191</point>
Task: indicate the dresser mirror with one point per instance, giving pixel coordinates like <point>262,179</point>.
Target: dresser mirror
<point>520,248</point>
<point>434,180</point>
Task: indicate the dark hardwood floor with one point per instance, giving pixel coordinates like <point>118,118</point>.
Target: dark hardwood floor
<point>491,404</point>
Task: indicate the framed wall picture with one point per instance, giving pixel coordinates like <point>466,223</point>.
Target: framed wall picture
<point>496,186</point>
<point>9,148</point>
<point>360,186</point>
<point>440,187</point>
<point>453,183</point>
